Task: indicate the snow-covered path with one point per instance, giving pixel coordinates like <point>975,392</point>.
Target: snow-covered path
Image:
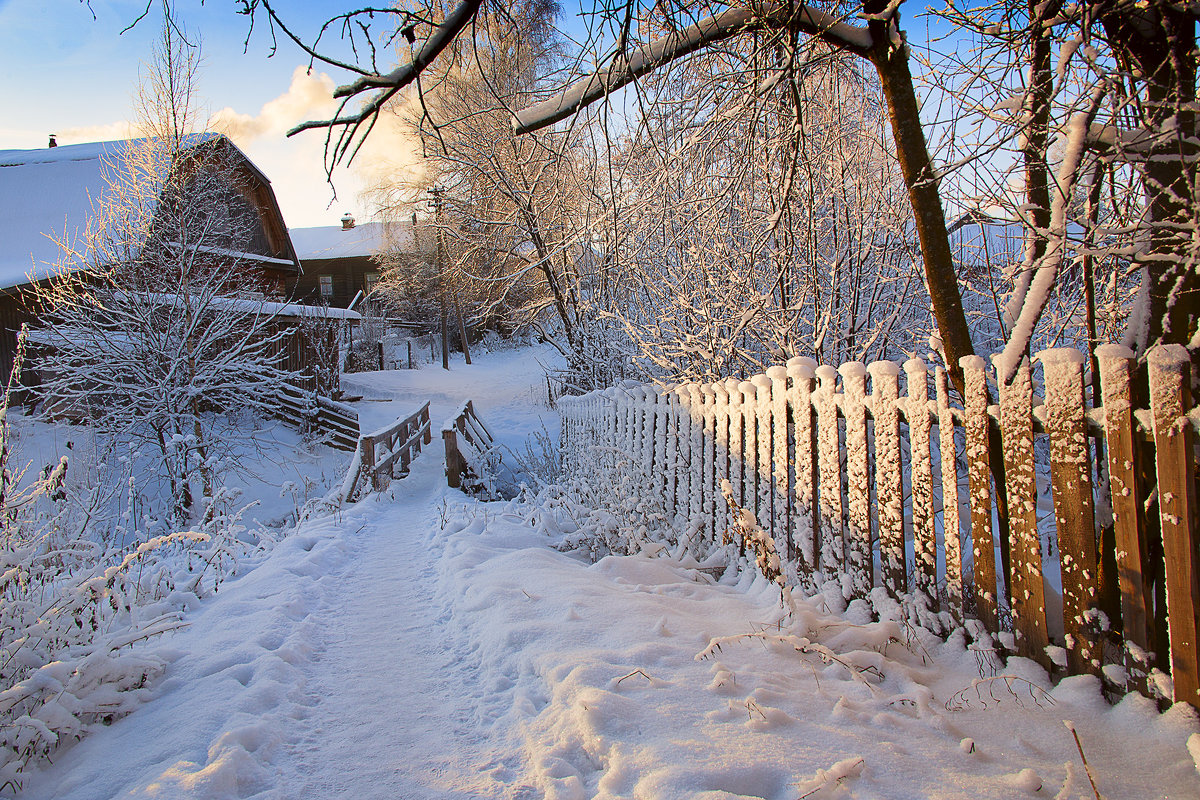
<point>397,705</point>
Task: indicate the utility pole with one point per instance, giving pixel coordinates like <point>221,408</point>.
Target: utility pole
<point>437,192</point>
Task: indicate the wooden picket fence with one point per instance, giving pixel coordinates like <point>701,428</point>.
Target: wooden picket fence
<point>846,479</point>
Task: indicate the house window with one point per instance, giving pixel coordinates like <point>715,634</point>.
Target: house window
<point>372,281</point>
<point>326,286</point>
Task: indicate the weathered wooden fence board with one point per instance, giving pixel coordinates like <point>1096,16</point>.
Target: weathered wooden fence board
<point>779,440</point>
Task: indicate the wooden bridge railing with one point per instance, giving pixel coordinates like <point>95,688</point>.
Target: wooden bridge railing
<point>467,441</point>
<point>378,452</point>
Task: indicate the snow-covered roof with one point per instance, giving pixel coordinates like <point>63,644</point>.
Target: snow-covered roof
<point>54,192</point>
<point>367,239</point>
<point>251,305</point>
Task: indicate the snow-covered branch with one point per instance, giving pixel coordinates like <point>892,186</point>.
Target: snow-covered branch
<point>677,44</point>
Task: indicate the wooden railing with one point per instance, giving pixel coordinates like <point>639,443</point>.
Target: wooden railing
<point>311,413</point>
<point>468,442</point>
<point>379,452</point>
<point>860,488</point>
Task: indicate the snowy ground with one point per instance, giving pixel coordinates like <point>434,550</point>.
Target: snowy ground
<point>421,645</point>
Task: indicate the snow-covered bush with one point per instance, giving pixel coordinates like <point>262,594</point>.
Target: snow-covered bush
<point>81,585</point>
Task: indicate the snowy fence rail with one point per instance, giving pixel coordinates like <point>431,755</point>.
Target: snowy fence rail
<point>861,492</point>
<point>338,422</point>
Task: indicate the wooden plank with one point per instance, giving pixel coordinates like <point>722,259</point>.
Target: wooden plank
<point>1175,465</point>
<point>1026,593</point>
<point>764,437</point>
<point>368,462</point>
<point>1071,486</point>
<point>662,467</point>
<point>858,488</point>
<point>454,460</point>
<point>889,494</point>
<point>831,541</point>
<point>677,443</point>
<point>921,472</point>
<point>749,446</point>
<point>1116,366</point>
<point>951,533</point>
<point>780,483</point>
<point>736,428</point>
<point>694,411</point>
<point>711,456</point>
<point>804,516</point>
<point>978,452</point>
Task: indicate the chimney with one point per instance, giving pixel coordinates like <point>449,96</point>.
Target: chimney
<point>53,140</point>
<point>347,221</point>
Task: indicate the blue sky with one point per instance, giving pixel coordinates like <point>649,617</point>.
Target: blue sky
<point>63,72</point>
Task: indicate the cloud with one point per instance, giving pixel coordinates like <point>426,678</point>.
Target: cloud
<point>296,165</point>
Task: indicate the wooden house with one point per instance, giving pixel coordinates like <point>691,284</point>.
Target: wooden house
<point>340,261</point>
<point>65,195</point>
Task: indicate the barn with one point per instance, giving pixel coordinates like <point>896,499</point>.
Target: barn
<point>60,198</point>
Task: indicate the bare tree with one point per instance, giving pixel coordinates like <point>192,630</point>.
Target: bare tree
<point>152,325</point>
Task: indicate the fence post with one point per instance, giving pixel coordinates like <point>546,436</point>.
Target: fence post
<point>695,413</point>
<point>858,489</point>
<point>1116,363</point>
<point>829,468</point>
<point>804,511</point>
<point>924,535</point>
<point>1026,592</point>
<point>708,463</point>
<point>779,455</point>
<point>764,471</point>
<point>368,461</point>
<point>724,453</point>
<point>749,406</point>
<point>951,532</point>
<point>976,427</point>
<point>671,441</point>
<point>885,391</point>
<point>454,465</point>
<point>1071,486</point>
<point>1174,462</point>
